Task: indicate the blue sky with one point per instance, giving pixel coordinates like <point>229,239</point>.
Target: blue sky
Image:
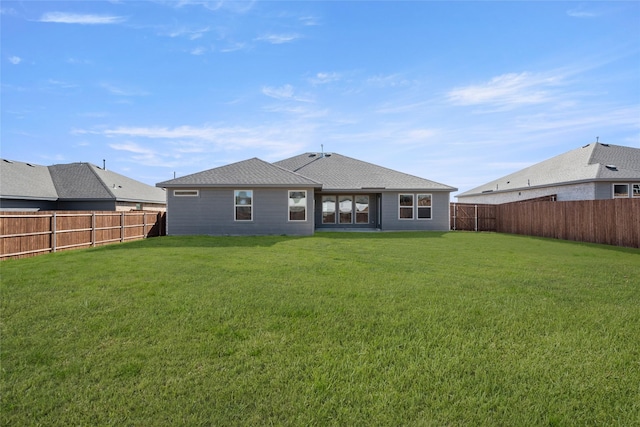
<point>457,92</point>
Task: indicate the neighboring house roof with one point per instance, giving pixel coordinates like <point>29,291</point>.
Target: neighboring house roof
<point>342,173</point>
<point>593,162</point>
<point>73,181</point>
<point>20,180</point>
<point>78,181</point>
<point>254,172</point>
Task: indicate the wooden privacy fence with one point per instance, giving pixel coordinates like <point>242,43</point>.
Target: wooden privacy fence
<point>473,217</point>
<point>612,222</point>
<point>31,233</point>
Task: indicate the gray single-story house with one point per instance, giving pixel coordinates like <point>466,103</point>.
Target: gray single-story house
<point>593,172</point>
<point>302,194</point>
<point>73,186</point>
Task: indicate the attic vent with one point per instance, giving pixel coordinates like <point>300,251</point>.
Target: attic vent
<point>612,167</point>
<point>312,155</point>
<point>585,146</point>
<point>29,164</point>
<point>327,155</point>
<point>488,191</point>
<point>604,145</point>
<point>8,161</point>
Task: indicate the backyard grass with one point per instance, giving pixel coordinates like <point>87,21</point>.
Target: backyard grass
<point>340,329</point>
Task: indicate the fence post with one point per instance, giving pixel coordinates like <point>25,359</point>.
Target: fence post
<point>53,232</point>
<point>144,225</point>
<point>93,229</point>
<point>476,217</point>
<point>122,227</point>
<point>455,214</point>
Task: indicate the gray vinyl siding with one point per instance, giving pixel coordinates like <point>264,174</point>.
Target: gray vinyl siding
<point>439,213</point>
<point>212,212</point>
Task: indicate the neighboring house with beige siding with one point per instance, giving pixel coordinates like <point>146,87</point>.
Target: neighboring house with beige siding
<point>302,194</point>
<point>73,186</point>
<point>593,172</point>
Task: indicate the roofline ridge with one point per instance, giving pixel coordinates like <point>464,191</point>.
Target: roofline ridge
<point>295,173</point>
<point>99,179</point>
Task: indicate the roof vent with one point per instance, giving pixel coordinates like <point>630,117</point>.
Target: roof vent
<point>312,155</point>
<point>327,155</point>
<point>612,167</point>
<point>604,145</point>
<point>8,161</point>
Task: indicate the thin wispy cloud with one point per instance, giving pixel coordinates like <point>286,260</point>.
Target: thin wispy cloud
<point>132,148</point>
<point>236,6</point>
<point>309,21</point>
<point>233,47</point>
<point>392,81</point>
<point>15,60</point>
<point>506,90</point>
<point>283,93</point>
<point>580,12</point>
<point>120,91</point>
<point>278,38</point>
<point>278,140</point>
<point>191,34</point>
<point>200,50</point>
<point>83,19</point>
<point>324,78</point>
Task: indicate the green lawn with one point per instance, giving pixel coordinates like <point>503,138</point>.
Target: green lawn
<point>341,329</point>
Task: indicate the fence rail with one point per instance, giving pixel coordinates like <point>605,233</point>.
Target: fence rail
<point>25,234</point>
<point>612,222</point>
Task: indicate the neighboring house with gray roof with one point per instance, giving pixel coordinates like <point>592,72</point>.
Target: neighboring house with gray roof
<point>73,186</point>
<point>302,194</point>
<point>595,171</point>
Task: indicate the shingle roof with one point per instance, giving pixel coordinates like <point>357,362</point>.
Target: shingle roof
<point>342,173</point>
<point>588,163</point>
<point>73,181</point>
<point>20,180</point>
<point>254,172</point>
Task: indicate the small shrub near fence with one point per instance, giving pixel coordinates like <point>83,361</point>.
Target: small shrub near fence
<point>612,222</point>
<point>25,234</point>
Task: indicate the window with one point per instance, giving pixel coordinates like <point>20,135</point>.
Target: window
<point>406,206</point>
<point>186,193</point>
<point>297,205</point>
<point>362,209</point>
<point>636,191</point>
<point>346,209</point>
<point>620,190</point>
<point>424,206</point>
<point>328,209</point>
<point>243,201</point>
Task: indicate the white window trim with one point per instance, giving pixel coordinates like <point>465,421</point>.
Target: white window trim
<point>186,193</point>
<point>306,207</point>
<point>413,208</point>
<point>613,190</point>
<point>430,207</point>
<point>235,218</point>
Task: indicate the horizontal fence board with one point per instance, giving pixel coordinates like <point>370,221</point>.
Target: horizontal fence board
<point>32,233</point>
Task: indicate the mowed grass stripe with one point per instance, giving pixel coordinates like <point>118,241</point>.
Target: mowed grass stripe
<point>335,329</point>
